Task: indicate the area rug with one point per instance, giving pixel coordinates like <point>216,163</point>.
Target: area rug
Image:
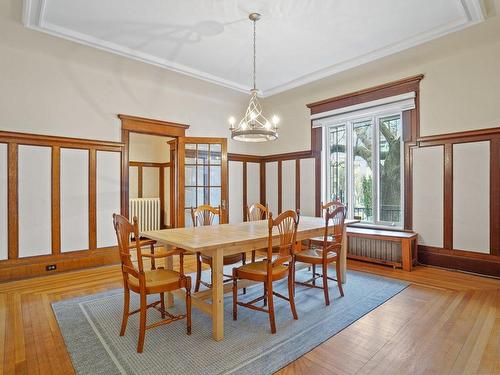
<point>90,326</point>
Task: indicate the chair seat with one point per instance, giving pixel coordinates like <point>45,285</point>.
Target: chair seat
<point>258,271</point>
<point>156,278</point>
<point>227,260</point>
<point>314,256</point>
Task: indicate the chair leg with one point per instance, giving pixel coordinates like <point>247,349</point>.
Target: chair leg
<point>142,323</point>
<point>126,306</point>
<point>188,306</point>
<point>244,261</point>
<point>253,256</point>
<point>325,283</point>
<point>291,290</point>
<point>162,305</point>
<point>314,274</point>
<point>198,273</point>
<point>235,295</point>
<point>265,294</point>
<point>339,277</point>
<point>270,302</point>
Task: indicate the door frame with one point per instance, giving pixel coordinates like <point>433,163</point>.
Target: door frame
<point>181,175</point>
<point>134,124</point>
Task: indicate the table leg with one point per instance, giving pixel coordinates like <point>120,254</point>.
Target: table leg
<point>343,258</point>
<point>217,296</point>
<point>169,265</point>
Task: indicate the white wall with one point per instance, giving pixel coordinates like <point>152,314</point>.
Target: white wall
<point>272,187</point>
<point>235,191</point>
<point>288,185</point>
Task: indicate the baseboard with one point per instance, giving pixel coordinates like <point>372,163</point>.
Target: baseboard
<point>483,264</point>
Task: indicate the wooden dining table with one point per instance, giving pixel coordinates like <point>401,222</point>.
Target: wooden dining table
<point>218,241</point>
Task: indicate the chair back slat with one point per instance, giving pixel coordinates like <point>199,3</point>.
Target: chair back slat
<point>205,215</point>
<point>124,231</point>
<point>333,240</point>
<point>257,211</point>
<point>286,224</point>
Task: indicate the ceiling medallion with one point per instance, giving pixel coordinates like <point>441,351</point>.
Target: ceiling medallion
<point>254,126</point>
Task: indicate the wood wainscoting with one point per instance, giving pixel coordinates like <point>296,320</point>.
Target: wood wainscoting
<point>66,250</point>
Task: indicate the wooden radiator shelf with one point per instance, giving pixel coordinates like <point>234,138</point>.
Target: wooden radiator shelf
<point>408,241</point>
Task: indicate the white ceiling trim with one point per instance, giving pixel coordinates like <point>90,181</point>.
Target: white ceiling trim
<point>33,18</point>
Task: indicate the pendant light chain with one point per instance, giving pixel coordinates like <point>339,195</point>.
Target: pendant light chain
<point>254,58</point>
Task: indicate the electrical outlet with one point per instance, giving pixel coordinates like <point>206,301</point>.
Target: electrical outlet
<point>50,267</point>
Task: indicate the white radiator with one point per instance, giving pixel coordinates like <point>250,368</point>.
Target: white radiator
<point>147,211</point>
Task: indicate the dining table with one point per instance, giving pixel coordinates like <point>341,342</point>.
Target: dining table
<point>220,240</point>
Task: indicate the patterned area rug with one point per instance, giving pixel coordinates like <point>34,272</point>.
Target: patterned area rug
<point>90,326</point>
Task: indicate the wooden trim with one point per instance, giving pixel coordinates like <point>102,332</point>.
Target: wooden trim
<point>35,266</point>
<point>280,186</point>
<point>124,190</point>
<point>139,182</point>
<point>12,203</point>
<point>244,158</point>
<point>297,184</point>
<point>56,200</point>
<point>173,190</point>
<point>92,199</point>
<point>317,187</point>
<point>148,164</point>
<point>468,261</point>
<point>366,95</point>
<point>245,191</point>
<point>495,196</point>
<point>161,193</point>
<point>448,197</point>
<point>65,142</point>
<point>465,136</point>
<point>152,126</point>
<point>273,157</point>
<point>263,183</point>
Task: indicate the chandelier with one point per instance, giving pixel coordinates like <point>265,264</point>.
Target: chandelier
<point>254,126</point>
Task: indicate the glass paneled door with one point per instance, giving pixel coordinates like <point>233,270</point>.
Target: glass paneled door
<point>202,176</point>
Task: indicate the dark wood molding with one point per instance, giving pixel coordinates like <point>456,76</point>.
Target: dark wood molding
<point>245,191</point>
<point>280,186</point>
<point>12,203</point>
<point>317,187</point>
<point>366,95</point>
<point>161,193</point>
<point>92,199</point>
<point>297,184</point>
<point>271,158</point>
<point>124,189</point>
<point>448,197</point>
<point>244,158</point>
<point>139,182</point>
<point>495,196</point>
<point>460,137</point>
<point>151,126</point>
<point>263,183</point>
<point>56,200</point>
<point>484,264</point>
<point>63,142</point>
<point>148,164</point>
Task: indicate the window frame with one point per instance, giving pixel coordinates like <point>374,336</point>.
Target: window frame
<point>348,120</point>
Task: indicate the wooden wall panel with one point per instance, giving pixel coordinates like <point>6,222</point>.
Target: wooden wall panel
<point>150,182</point>
<point>34,198</point>
<point>107,196</point>
<point>288,200</point>
<point>272,187</point>
<point>428,196</point>
<point>253,183</point>
<point>74,199</point>
<point>4,241</point>
<point>166,194</point>
<point>133,175</point>
<point>235,191</point>
<point>471,196</point>
<point>307,187</point>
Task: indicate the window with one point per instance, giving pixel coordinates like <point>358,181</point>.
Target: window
<point>364,166</point>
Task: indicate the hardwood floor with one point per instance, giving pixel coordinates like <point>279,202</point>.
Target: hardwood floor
<point>444,323</point>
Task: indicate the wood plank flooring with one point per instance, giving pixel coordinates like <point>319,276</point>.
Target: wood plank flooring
<point>444,323</point>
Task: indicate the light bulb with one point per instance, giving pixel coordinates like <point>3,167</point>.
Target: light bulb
<point>275,120</point>
<point>244,125</point>
<point>268,125</point>
<point>253,115</point>
<point>232,121</point>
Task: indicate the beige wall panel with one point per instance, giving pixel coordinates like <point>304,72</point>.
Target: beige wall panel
<point>253,183</point>
<point>150,182</point>
<point>307,187</point>
<point>74,200</point>
<point>166,207</point>
<point>133,182</point>
<point>3,203</point>
<point>471,197</point>
<point>428,195</point>
<point>272,187</point>
<point>288,185</point>
<point>35,200</point>
<point>235,192</point>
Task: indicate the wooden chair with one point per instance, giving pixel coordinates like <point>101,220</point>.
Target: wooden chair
<point>155,281</point>
<point>202,216</point>
<point>257,212</point>
<point>269,270</point>
<point>329,252</point>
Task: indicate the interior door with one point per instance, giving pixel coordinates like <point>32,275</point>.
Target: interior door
<point>202,175</point>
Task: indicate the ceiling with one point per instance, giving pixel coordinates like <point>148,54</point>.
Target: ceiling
<point>298,41</point>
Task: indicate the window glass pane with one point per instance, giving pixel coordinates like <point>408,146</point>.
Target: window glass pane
<point>190,175</point>
<point>202,195</point>
<point>202,175</point>
<point>202,153</point>
<point>362,170</point>
<point>337,183</point>
<point>190,197</point>
<point>215,176</point>
<point>214,196</point>
<point>190,150</point>
<point>390,169</point>
<point>215,154</point>
<point>188,218</point>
